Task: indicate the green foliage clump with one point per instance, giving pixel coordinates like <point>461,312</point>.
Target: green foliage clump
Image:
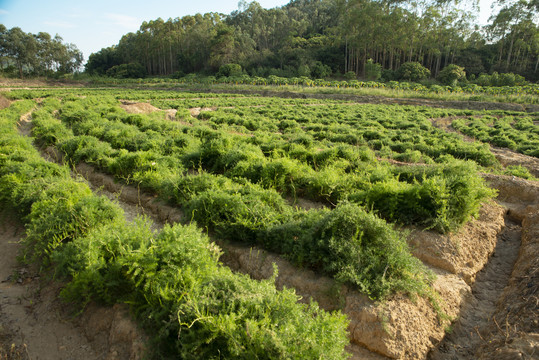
<point>86,148</point>
<point>350,75</point>
<point>354,246</point>
<point>64,210</point>
<point>229,70</point>
<point>124,71</point>
<point>441,197</point>
<point>373,71</point>
<point>503,79</point>
<point>451,75</point>
<point>238,214</point>
<point>412,71</point>
<point>320,70</point>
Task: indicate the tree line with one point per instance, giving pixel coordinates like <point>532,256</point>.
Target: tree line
<point>319,38</point>
<point>36,54</point>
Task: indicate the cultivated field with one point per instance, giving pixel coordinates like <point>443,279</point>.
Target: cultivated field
<point>238,225</point>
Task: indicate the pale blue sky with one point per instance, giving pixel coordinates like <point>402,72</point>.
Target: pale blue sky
<point>92,25</point>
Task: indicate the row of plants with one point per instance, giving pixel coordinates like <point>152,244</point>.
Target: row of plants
<point>236,209</point>
<point>192,79</point>
<point>404,133</point>
<point>519,134</point>
<point>193,307</point>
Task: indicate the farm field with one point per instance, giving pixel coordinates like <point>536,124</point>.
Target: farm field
<point>376,212</point>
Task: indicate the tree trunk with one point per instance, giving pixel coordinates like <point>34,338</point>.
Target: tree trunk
<point>345,55</point>
<point>170,58</point>
<point>509,53</point>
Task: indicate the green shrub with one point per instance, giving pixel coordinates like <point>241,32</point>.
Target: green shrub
<point>444,198</point>
<point>350,75</point>
<point>23,178</point>
<point>49,130</point>
<point>451,75</point>
<point>229,70</point>
<point>222,314</point>
<point>352,245</point>
<point>96,262</point>
<point>320,70</point>
<point>64,210</point>
<point>124,71</point>
<point>88,149</point>
<point>412,71</point>
<point>237,215</point>
<point>373,71</point>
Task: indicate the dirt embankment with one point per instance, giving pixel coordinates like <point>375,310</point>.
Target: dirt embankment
<point>513,332</point>
<point>507,290</point>
<point>34,324</point>
<point>508,157</point>
<point>133,107</point>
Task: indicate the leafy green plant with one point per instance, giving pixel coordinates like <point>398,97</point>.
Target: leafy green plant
<point>412,71</point>
<point>373,71</point>
<point>354,246</point>
<point>451,74</point>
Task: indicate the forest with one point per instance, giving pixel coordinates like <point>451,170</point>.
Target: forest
<point>36,54</point>
<point>330,38</point>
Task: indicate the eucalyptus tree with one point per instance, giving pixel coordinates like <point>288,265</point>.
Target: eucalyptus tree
<point>516,31</point>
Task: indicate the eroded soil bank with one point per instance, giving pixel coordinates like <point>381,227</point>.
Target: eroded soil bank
<point>34,324</point>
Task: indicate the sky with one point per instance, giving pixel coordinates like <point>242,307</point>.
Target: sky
<point>93,25</point>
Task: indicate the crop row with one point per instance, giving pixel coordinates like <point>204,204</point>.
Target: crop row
<point>194,307</point>
<point>289,162</point>
<point>530,89</point>
<point>519,134</point>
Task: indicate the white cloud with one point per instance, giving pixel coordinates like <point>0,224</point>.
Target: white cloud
<point>3,12</point>
<point>125,21</point>
<point>60,24</point>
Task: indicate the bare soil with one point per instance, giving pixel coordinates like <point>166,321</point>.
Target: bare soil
<point>467,332</point>
<point>32,321</point>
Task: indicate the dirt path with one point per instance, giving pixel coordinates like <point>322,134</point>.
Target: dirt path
<point>469,331</point>
<point>31,318</point>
